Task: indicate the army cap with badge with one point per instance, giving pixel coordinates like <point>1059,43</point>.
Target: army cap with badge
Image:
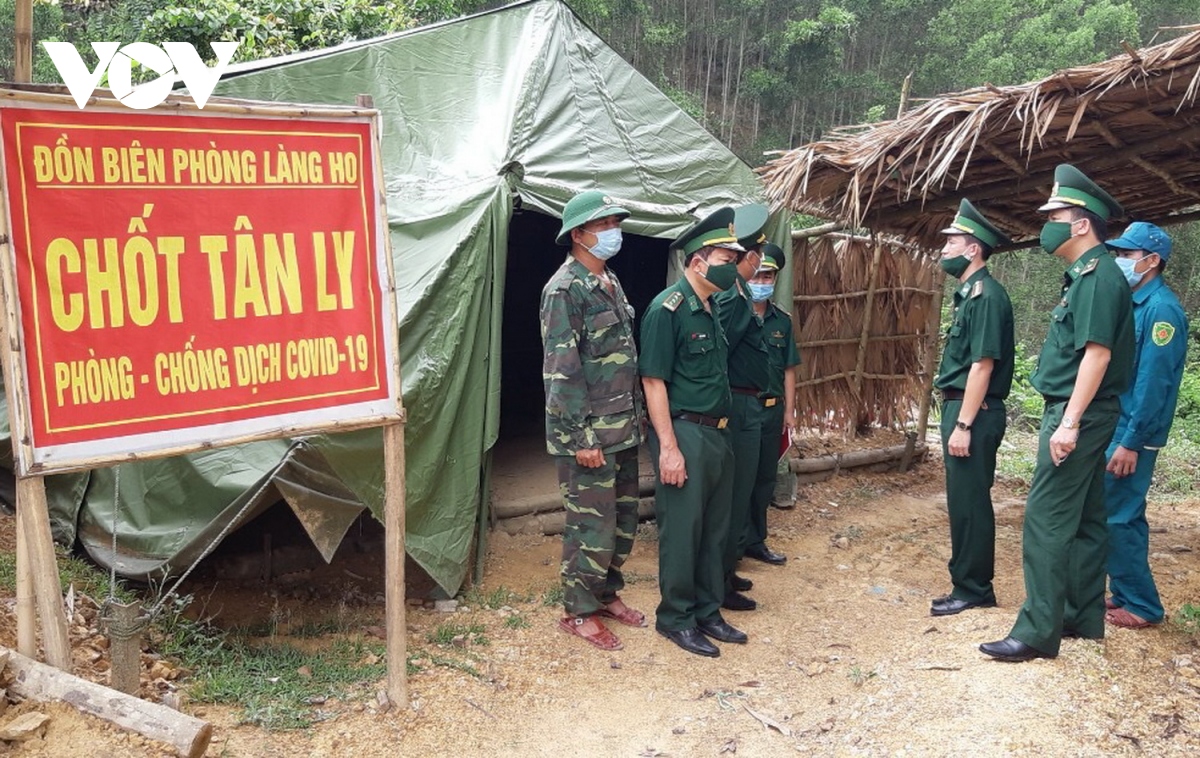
<point>773,258</point>
<point>584,207</point>
<point>970,221</point>
<point>1073,189</point>
<point>748,224</point>
<point>714,230</point>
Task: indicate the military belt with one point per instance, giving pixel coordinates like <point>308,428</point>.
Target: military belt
<point>717,422</point>
<point>768,402</point>
<point>1050,400</point>
<point>951,393</point>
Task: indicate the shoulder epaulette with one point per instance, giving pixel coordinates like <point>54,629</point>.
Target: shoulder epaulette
<point>1090,267</point>
<point>673,301</point>
<point>977,290</point>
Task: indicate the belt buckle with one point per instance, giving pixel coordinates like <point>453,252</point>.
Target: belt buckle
<point>770,402</point>
<point>722,422</point>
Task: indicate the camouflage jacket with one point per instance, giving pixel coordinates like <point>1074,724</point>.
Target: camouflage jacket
<point>593,396</point>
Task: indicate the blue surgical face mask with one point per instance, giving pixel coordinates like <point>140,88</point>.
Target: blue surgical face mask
<point>608,244</point>
<point>761,292</point>
<point>1127,266</point>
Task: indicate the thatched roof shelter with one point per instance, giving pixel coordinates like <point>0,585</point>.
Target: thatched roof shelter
<point>1132,123</point>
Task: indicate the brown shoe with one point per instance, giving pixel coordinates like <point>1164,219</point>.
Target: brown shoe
<point>590,629</point>
<point>618,611</point>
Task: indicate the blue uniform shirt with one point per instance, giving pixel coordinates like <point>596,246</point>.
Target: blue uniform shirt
<point>1161,335</point>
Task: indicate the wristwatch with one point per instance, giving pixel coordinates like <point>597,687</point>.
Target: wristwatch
<point>1069,423</point>
<point>961,425</point>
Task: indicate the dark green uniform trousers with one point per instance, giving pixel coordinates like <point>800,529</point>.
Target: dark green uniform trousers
<point>969,500</point>
<point>765,476</point>
<point>693,521</point>
<point>745,431</point>
<point>601,505</point>
<point>1065,542</point>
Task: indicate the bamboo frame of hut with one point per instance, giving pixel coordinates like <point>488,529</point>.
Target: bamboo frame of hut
<point>865,322</point>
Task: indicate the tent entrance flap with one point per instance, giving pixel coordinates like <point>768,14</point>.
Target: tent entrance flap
<point>523,472</point>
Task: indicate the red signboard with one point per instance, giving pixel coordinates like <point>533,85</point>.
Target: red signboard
<point>185,279</point>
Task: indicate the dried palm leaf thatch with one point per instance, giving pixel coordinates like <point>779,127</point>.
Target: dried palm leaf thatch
<point>857,369</point>
<point>1132,123</point>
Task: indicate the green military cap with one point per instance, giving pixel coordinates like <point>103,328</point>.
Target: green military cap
<point>773,258</point>
<point>585,207</point>
<point>971,221</point>
<point>1072,189</point>
<point>715,230</point>
<point>748,223</point>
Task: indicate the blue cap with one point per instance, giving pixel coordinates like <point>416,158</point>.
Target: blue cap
<point>1142,235</point>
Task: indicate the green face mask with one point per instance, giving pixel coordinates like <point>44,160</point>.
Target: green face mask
<point>722,276</point>
<point>955,266</point>
<point>1054,234</point>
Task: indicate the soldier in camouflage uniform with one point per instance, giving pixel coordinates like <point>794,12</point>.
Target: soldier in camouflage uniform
<point>594,417</point>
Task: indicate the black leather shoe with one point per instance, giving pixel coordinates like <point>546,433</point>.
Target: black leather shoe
<point>718,629</point>
<point>693,641</point>
<point>764,554</point>
<point>1009,649</point>
<point>741,583</point>
<point>736,601</point>
<point>952,605</point>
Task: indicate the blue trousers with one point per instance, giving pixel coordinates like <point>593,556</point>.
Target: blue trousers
<point>1129,577</point>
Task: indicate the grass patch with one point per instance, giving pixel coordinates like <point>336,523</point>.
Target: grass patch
<point>1187,620</point>
<point>476,597</point>
<point>445,633</point>
<point>553,596</point>
<point>278,686</point>
<point>87,577</point>
<point>516,622</point>
<point>636,577</point>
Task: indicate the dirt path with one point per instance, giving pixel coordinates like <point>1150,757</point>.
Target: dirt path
<point>843,660</point>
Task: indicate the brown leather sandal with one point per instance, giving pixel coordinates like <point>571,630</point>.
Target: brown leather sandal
<point>624,614</point>
<point>603,639</point>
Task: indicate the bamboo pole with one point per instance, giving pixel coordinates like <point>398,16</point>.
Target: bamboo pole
<point>868,307</point>
<point>23,43</point>
<point>394,526</point>
<point>26,609</point>
<point>817,231</point>
<point>860,293</point>
<point>935,320</point>
<point>39,548</point>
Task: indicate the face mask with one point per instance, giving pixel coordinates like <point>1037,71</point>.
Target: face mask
<point>761,292</point>
<point>1127,266</point>
<point>608,243</point>
<point>722,276</point>
<point>955,266</point>
<point>1054,234</point>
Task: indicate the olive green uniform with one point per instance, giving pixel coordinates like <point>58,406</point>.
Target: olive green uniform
<point>684,345</point>
<point>748,379</point>
<point>981,326</point>
<point>781,355</point>
<point>1065,536</point>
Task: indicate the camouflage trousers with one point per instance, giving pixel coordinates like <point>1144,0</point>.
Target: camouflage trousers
<point>601,505</point>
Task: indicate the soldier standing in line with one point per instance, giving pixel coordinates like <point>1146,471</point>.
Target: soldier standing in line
<point>974,378</point>
<point>747,370</point>
<point>775,403</point>
<point>1147,410</point>
<point>684,368</point>
<point>1085,364</point>
<point>594,417</point>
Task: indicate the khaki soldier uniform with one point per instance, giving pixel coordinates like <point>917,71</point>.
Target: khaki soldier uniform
<point>593,400</point>
<point>1065,535</point>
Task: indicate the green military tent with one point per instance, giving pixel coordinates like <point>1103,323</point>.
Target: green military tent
<point>490,124</point>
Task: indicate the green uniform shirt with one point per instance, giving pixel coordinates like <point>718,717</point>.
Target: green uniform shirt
<point>749,366</point>
<point>593,395</point>
<point>781,346</point>
<point>981,326</point>
<point>684,345</point>
<point>1096,306</point>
